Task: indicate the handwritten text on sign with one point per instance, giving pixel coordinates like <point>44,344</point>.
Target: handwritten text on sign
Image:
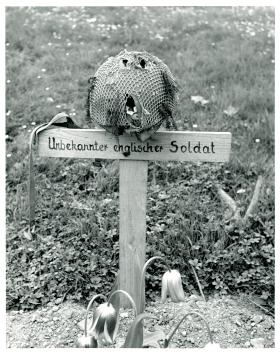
<point>164,145</point>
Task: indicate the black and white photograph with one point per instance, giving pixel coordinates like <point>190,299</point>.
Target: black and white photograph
<point>140,176</point>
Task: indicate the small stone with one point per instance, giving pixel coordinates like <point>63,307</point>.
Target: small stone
<point>58,301</point>
<point>257,319</point>
<point>33,318</point>
<point>55,308</point>
<point>248,327</point>
<point>257,342</point>
<point>70,315</point>
<point>55,319</point>
<point>124,315</point>
<point>238,323</point>
<point>45,320</point>
<point>81,325</point>
<point>194,297</point>
<point>184,333</point>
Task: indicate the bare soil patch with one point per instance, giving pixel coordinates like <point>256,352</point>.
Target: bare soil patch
<point>234,323</point>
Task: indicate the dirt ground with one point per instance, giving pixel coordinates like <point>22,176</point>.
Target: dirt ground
<point>234,323</point>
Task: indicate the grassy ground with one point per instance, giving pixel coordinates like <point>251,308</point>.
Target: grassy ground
<point>225,55</point>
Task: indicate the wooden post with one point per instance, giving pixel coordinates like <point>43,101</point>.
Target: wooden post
<point>134,157</point>
<point>133,192</point>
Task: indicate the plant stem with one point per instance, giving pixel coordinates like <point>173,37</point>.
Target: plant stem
<point>167,340</point>
<point>142,290</point>
<point>127,295</point>
<point>198,283</point>
<point>89,307</point>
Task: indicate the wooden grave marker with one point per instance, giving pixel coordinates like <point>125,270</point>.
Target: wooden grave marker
<point>134,157</point>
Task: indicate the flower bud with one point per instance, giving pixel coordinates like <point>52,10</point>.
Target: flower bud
<point>172,285</point>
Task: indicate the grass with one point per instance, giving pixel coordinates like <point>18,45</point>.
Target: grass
<point>225,55</point>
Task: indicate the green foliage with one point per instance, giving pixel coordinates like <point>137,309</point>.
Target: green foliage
<point>73,249</point>
<point>194,233</point>
<point>225,55</point>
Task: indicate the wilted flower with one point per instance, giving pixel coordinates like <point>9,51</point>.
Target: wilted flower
<point>172,285</point>
<point>104,323</point>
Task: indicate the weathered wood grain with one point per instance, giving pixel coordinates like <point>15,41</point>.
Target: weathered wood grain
<point>132,243</point>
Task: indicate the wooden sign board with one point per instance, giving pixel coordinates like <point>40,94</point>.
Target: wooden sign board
<point>163,146</point>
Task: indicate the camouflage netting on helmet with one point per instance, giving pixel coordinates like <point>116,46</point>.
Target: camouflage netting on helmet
<point>133,92</point>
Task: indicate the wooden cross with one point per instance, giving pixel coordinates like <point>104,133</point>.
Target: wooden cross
<point>134,157</point>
